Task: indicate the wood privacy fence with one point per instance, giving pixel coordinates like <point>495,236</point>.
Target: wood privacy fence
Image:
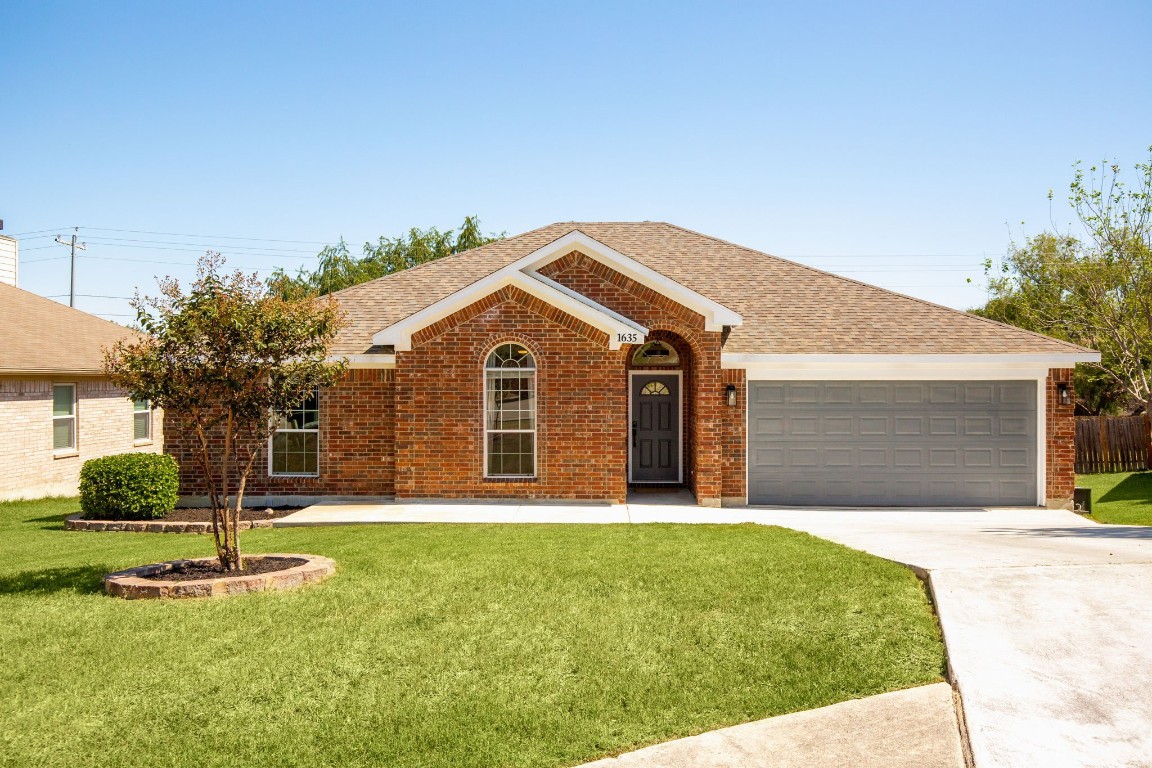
<point>1112,444</point>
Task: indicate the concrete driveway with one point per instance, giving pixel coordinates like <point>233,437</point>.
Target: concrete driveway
<point>1047,618</point>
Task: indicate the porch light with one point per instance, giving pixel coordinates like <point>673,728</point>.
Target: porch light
<point>1065,393</point>
<point>730,394</point>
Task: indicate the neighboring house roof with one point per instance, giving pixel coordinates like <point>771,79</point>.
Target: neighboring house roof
<point>787,308</point>
<point>44,336</point>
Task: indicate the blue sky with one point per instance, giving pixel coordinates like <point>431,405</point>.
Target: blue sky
<point>900,143</point>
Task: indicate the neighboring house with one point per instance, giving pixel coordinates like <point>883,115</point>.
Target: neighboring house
<point>579,359</point>
<point>57,409</point>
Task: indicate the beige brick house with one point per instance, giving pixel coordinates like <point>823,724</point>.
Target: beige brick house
<point>590,360</point>
<point>56,407</point>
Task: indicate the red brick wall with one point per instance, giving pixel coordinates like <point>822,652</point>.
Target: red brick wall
<point>581,405</point>
<point>734,446</point>
<point>357,457</point>
<point>1061,437</point>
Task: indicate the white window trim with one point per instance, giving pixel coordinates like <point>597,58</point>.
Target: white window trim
<point>654,372</point>
<point>535,431</point>
<point>74,416</point>
<point>272,438</point>
<point>142,440</point>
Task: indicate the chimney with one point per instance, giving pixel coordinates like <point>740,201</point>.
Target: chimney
<point>9,260</point>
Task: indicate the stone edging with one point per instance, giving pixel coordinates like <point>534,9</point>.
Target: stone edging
<point>129,584</point>
<point>78,523</point>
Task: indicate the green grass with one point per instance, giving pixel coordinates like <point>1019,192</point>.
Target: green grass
<point>438,645</point>
<point>1121,498</point>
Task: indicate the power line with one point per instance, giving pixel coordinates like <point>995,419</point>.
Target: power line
<point>207,237</point>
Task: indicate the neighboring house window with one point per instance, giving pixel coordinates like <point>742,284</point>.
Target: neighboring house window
<point>510,412</point>
<point>295,448</point>
<point>63,417</point>
<point>141,420</point>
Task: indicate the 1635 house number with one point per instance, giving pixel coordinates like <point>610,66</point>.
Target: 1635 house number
<point>628,338</point>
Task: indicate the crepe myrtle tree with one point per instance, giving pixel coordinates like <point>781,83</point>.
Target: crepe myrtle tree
<point>226,361</point>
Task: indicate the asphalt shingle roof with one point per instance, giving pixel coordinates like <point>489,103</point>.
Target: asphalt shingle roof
<point>788,308</point>
<point>43,336</point>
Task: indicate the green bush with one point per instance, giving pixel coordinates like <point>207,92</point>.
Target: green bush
<point>129,486</point>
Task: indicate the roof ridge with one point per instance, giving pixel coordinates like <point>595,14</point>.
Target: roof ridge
<point>448,258</point>
<point>925,302</point>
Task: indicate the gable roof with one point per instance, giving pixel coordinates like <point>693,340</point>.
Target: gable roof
<point>787,308</point>
<point>44,336</point>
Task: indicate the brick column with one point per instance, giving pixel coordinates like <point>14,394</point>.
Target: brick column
<point>1061,440</point>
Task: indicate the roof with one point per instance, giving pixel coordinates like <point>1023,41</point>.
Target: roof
<point>787,308</point>
<point>44,336</point>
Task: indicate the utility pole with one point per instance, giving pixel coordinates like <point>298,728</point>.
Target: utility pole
<point>75,245</point>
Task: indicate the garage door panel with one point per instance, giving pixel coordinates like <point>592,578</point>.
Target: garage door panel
<point>892,443</point>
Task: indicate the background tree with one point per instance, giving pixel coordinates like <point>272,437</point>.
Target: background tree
<point>226,361</point>
<point>338,268</point>
<point>1094,290</point>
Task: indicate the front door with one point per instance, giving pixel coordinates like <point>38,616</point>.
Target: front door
<point>655,451</point>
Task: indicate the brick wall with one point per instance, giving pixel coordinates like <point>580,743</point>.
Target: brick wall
<point>29,468</point>
<point>357,456</point>
<point>735,451</point>
<point>1061,437</point>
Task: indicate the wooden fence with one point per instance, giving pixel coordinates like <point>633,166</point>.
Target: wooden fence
<point>1112,444</point>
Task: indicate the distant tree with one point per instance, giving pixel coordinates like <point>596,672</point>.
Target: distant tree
<point>339,269</point>
<point>226,361</point>
<point>1094,290</point>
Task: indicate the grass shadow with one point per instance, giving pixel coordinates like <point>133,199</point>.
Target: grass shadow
<point>56,520</point>
<point>1137,487</point>
<point>84,580</point>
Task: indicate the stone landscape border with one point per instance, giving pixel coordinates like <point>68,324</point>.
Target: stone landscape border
<point>130,585</point>
<point>78,523</point>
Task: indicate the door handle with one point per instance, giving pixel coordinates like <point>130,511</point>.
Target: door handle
<point>633,434</point>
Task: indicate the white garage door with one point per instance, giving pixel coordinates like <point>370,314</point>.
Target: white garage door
<point>892,443</point>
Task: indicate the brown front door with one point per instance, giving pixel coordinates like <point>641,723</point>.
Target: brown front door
<point>655,447</point>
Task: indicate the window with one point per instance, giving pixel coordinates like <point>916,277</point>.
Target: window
<point>656,353</point>
<point>296,442</point>
<point>655,388</point>
<point>141,420</point>
<point>63,417</point>
<point>510,413</point>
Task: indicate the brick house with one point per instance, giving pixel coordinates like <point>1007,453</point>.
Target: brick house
<point>57,409</point>
<point>581,359</point>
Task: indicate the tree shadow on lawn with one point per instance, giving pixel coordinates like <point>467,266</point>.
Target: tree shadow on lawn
<point>56,520</point>
<point>83,580</point>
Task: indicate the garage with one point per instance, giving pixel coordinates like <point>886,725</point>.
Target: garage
<point>892,443</point>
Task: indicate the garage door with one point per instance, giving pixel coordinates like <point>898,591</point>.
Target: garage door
<point>892,443</point>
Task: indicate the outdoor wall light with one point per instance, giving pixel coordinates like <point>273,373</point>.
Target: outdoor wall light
<point>730,394</point>
<point>1065,393</point>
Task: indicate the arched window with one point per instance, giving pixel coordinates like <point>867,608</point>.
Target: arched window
<point>656,353</point>
<point>655,388</point>
<point>510,412</point>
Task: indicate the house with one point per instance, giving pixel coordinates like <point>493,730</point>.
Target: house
<point>57,408</point>
<point>580,360</point>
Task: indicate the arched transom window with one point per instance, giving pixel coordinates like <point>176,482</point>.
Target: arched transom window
<point>655,388</point>
<point>510,412</point>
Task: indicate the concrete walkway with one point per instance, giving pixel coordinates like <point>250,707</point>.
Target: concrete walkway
<point>1047,616</point>
<point>915,728</point>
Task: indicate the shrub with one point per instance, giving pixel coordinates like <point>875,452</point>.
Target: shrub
<point>129,486</point>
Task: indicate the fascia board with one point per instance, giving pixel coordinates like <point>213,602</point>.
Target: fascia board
<point>716,315</point>
<point>902,367</point>
<point>400,334</point>
<point>574,295</point>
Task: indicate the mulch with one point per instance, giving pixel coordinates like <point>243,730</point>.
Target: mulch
<point>204,515</point>
<point>212,570</point>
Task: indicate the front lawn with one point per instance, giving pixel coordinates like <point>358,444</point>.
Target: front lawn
<point>441,645</point>
<point>1122,498</point>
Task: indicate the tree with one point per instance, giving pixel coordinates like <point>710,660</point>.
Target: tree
<point>226,361</point>
<point>339,269</point>
<point>1096,289</point>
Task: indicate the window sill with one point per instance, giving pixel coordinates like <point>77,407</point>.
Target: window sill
<point>513,479</point>
<point>292,474</point>
<point>70,453</point>
<point>138,443</point>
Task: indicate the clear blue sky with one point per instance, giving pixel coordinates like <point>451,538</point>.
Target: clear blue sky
<point>895,142</point>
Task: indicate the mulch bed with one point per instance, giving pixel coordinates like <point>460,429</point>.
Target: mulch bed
<point>204,515</point>
<point>212,570</point>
